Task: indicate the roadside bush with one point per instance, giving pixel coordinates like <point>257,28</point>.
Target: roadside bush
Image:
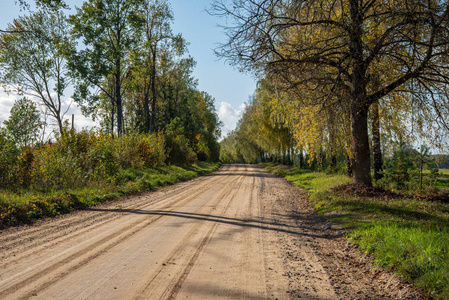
<point>179,150</point>
<point>87,158</point>
<point>8,159</point>
<point>54,169</point>
<point>102,157</point>
<point>178,146</point>
<point>77,147</point>
<point>203,151</point>
<point>80,158</point>
<point>152,150</point>
<point>138,150</point>
<point>127,151</point>
<point>208,149</point>
<point>398,170</point>
<point>24,167</point>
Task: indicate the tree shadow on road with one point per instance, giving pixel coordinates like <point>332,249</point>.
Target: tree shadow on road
<point>264,224</point>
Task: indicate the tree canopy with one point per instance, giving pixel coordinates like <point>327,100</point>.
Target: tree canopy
<point>348,54</point>
<point>32,59</point>
<point>130,71</point>
<point>24,123</point>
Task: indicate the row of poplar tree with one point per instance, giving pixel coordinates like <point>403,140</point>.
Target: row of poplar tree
<point>129,71</point>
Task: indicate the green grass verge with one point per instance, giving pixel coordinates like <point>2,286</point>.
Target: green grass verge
<point>443,179</point>
<point>25,206</point>
<point>407,234</point>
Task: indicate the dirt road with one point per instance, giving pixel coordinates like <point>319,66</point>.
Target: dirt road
<point>239,233</point>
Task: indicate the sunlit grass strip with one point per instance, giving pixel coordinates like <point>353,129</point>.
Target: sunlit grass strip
<point>20,208</point>
<point>443,179</point>
<point>410,235</point>
<point>417,251</point>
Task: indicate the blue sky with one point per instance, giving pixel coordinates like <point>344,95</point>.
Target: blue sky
<point>230,88</point>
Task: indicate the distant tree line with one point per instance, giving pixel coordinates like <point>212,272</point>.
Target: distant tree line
<point>442,161</point>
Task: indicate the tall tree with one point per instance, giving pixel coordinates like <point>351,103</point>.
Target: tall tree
<point>24,123</point>
<point>31,58</point>
<point>109,32</point>
<point>157,39</point>
<point>346,39</point>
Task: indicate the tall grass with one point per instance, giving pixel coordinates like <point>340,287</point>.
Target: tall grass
<point>28,205</point>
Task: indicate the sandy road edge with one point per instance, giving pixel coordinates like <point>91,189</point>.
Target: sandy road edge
<point>352,273</point>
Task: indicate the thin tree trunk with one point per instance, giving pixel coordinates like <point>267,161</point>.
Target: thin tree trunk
<point>301,159</point>
<point>153,91</point>
<point>349,166</point>
<point>146,111</point>
<point>111,86</point>
<point>112,118</point>
<point>118,100</point>
<point>60,126</point>
<point>118,86</point>
<point>332,151</point>
<point>377,151</point>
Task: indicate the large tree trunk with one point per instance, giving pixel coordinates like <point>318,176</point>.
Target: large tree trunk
<point>377,151</point>
<point>360,147</point>
<point>359,109</point>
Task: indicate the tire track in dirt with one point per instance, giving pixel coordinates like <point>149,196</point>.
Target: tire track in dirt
<point>69,221</point>
<point>176,283</point>
<point>237,237</point>
<point>21,243</point>
<point>179,282</point>
<point>80,258</point>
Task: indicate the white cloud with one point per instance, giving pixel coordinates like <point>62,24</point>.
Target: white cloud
<point>229,116</point>
<point>6,103</point>
<point>81,122</point>
<point>242,106</point>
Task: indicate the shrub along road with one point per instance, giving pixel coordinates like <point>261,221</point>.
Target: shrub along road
<point>239,233</point>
